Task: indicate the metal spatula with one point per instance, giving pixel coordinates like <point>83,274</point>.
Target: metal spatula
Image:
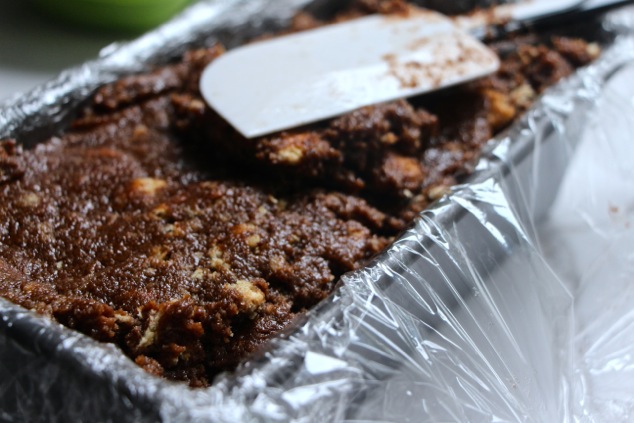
<point>302,78</point>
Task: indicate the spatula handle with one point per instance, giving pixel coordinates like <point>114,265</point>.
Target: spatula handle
<point>586,9</point>
<point>575,13</point>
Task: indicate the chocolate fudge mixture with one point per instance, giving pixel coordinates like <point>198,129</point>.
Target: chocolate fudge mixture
<point>152,224</point>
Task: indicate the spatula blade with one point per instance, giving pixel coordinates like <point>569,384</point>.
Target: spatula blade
<point>306,77</point>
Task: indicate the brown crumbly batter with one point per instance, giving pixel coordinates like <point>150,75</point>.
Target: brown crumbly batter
<point>153,225</point>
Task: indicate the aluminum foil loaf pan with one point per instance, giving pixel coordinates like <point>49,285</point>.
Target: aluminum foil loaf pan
<point>459,320</point>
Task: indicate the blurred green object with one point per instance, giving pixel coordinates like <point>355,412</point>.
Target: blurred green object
<point>121,15</point>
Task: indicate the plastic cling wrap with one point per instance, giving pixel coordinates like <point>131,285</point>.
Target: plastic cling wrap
<point>589,241</point>
<point>469,316</point>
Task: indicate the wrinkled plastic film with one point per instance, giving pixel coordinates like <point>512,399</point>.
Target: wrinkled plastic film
<point>464,367</point>
<point>462,319</point>
<point>590,241</point>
